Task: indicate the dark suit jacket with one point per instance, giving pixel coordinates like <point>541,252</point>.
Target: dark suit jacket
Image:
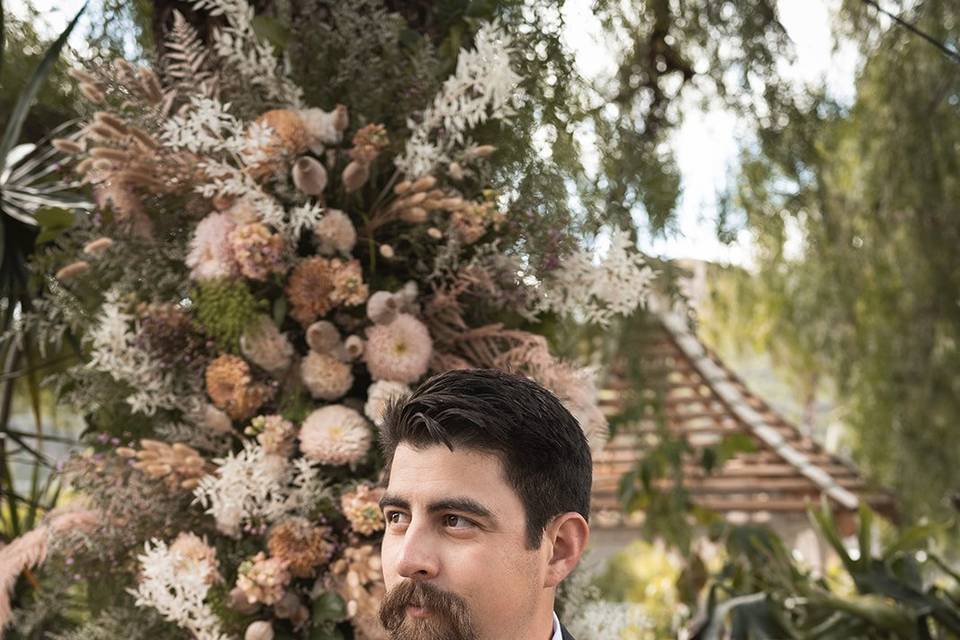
<point>565,633</point>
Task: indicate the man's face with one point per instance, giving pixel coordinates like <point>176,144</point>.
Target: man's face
<point>455,543</point>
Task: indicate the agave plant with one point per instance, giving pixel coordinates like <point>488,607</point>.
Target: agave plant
<point>906,591</point>
<point>34,204</point>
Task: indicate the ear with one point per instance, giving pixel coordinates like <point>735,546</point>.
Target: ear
<point>567,536</point>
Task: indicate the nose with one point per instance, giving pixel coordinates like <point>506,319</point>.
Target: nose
<point>417,557</point>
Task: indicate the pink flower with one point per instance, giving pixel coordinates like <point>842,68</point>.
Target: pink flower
<point>210,254</point>
<point>399,351</point>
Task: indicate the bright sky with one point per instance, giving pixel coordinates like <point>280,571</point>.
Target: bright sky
<point>707,142</point>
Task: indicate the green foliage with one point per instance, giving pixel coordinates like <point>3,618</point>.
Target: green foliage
<point>905,592</point>
<point>870,299</point>
<point>224,309</point>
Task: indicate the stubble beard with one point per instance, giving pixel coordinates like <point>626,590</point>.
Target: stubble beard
<point>449,617</point>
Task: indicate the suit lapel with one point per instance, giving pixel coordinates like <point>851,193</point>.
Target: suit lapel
<point>566,634</point>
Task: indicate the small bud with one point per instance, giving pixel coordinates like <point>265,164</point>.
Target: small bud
<point>73,270</point>
<point>434,233</point>
<point>259,630</point>
<point>354,346</point>
<point>64,145</point>
<point>482,151</point>
<point>342,117</point>
<point>455,171</point>
<point>402,187</point>
<point>98,246</point>
<point>355,176</point>
<point>92,93</point>
<point>414,215</point>
<point>309,176</point>
<point>424,184</point>
<point>386,251</point>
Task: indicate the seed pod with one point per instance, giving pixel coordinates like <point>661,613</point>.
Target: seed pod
<point>309,176</point>
<point>355,176</point>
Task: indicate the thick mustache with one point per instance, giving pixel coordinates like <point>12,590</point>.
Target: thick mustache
<point>423,595</point>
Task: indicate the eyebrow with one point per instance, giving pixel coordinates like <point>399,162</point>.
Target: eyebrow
<point>461,504</point>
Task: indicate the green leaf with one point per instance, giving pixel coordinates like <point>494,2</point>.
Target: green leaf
<point>271,30</point>
<point>53,221</point>
<point>15,125</point>
<point>328,608</point>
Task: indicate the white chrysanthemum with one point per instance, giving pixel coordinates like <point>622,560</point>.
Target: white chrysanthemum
<point>264,345</point>
<point>335,435</point>
<point>176,586</point>
<point>399,351</point>
<point>379,395</point>
<point>325,377</point>
<point>210,254</point>
<point>335,233</point>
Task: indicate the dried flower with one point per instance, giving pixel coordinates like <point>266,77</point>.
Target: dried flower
<point>168,333</point>
<point>256,251</point>
<point>263,579</point>
<point>335,435</point>
<point>386,251</point>
<point>231,388</point>
<point>361,507</point>
<point>309,176</point>
<point>355,176</point>
<point>215,420</point>
<point>323,337</point>
<point>380,395</point>
<point>348,286</point>
<point>288,139</point>
<point>274,433</point>
<point>335,233</point>
<point>191,549</point>
<point>455,171</point>
<point>324,127</point>
<point>353,347</point>
<point>368,142</point>
<point>435,233</point>
<point>301,545</point>
<point>471,221</point>
<point>177,589</point>
<point>382,307</point>
<point>98,246</point>
<point>358,578</point>
<point>259,630</point>
<point>325,377</point>
<point>399,351</point>
<point>309,289</point>
<point>211,255</point>
<point>72,270</point>
<point>178,465</point>
<point>264,345</point>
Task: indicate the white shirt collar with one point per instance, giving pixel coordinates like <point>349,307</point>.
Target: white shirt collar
<point>557,635</point>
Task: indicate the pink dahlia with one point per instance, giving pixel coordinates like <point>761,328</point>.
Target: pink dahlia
<point>399,351</point>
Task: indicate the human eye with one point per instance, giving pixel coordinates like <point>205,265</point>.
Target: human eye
<point>454,521</point>
<point>395,518</point>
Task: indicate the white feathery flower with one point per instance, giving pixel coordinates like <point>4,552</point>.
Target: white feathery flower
<point>303,218</point>
<point>616,284</point>
<point>238,45</point>
<point>206,126</point>
<point>482,88</point>
<point>176,586</point>
<point>228,180</point>
<point>115,351</point>
<point>253,487</point>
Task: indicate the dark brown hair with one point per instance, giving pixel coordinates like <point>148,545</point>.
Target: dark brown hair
<point>543,450</point>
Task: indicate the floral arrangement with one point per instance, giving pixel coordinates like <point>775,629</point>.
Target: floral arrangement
<point>260,279</point>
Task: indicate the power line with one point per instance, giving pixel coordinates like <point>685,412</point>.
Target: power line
<point>953,54</point>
